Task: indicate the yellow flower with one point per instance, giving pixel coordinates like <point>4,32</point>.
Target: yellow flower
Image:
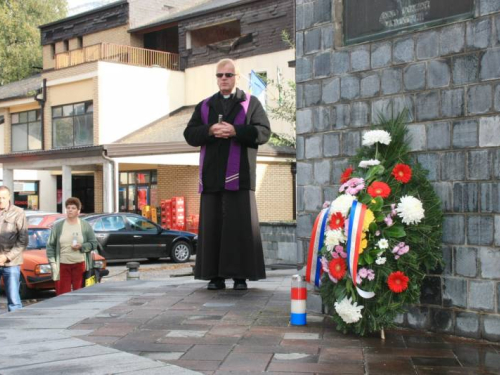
<point>364,244</point>
<point>369,218</point>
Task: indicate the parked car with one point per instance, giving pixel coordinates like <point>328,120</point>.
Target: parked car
<point>44,220</point>
<point>131,236</point>
<point>36,273</point>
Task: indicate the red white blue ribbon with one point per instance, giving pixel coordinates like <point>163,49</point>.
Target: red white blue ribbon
<point>314,269</point>
<point>354,238</point>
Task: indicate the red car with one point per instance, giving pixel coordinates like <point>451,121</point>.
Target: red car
<point>36,273</point>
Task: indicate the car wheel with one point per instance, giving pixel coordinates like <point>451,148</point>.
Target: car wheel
<point>181,252</point>
<point>24,291</point>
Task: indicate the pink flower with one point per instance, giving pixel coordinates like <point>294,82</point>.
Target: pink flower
<point>400,249</point>
<point>371,275</point>
<point>393,209</point>
<point>353,186</point>
<point>340,251</point>
<point>363,273</point>
<point>377,233</point>
<point>388,220</point>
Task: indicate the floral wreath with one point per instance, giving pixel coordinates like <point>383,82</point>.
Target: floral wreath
<point>377,240</point>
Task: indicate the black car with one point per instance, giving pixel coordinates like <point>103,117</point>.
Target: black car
<point>131,236</point>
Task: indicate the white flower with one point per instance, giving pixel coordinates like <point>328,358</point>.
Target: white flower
<point>342,204</point>
<point>410,210</point>
<point>334,238</point>
<point>380,260</point>
<point>383,243</point>
<point>349,311</point>
<point>374,136</point>
<point>368,163</point>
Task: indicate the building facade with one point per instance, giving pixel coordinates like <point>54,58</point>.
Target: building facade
<point>441,61</point>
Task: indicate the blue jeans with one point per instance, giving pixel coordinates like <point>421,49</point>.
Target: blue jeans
<point>11,277</point>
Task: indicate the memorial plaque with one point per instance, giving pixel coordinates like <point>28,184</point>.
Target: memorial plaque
<point>376,19</point>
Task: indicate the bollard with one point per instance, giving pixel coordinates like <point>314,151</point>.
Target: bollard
<point>298,316</point>
<point>133,271</point>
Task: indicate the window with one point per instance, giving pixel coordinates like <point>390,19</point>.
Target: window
<point>79,42</point>
<point>110,224</point>
<point>138,189</point>
<point>26,131</point>
<point>140,224</point>
<point>214,34</point>
<point>66,45</point>
<point>53,50</point>
<point>73,125</point>
<point>2,120</point>
<point>26,194</point>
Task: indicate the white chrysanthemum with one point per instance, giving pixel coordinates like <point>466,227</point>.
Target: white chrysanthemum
<point>342,204</point>
<point>383,243</point>
<point>368,163</point>
<point>349,311</point>
<point>380,260</point>
<point>334,238</point>
<point>410,210</point>
<point>374,136</point>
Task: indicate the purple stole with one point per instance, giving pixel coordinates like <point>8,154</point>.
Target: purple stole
<point>233,161</point>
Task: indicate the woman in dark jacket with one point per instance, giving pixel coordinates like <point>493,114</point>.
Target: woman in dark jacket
<point>229,127</point>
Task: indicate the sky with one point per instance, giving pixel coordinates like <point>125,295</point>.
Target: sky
<point>78,6</point>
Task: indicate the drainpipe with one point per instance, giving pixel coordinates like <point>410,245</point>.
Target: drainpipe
<point>42,108</point>
<point>115,180</point>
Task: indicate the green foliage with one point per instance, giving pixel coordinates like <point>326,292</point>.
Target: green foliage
<point>20,49</point>
<point>424,238</point>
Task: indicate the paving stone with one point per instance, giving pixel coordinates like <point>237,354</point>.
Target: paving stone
<point>381,54</point>
<point>452,39</point>
<point>321,119</point>
<point>427,45</point>
<point>454,292</point>
<point>360,113</point>
<point>246,362</point>
<point>453,166</point>
<point>480,294</point>
<point>370,85</point>
<point>301,336</point>
<point>341,62</point>
<point>490,197</point>
<point>322,172</point>
<point>331,90</point>
<point>304,173</point>
<point>465,197</point>
<point>304,121</point>
<point>479,165</point>
<point>351,142</point>
<point>322,64</point>
<point>488,6</point>
<point>391,81</point>
<point>186,333</point>
<point>491,331</point>
<point>331,144</point>
<point>312,40</point>
<point>454,229</point>
<point>480,230</point>
<point>488,128</point>
<point>490,65</point>
<point>303,69</point>
<point>404,50</point>
<point>327,37</point>
<point>208,352</point>
<point>438,136</point>
<point>430,162</point>
<point>341,116</point>
<point>479,34</point>
<point>360,58</point>
<point>465,133</point>
<point>467,324</point>
<point>466,261</point>
<point>465,69</point>
<point>314,147</point>
<point>489,259</point>
<point>312,93</point>
<point>427,105</point>
<point>438,74</point>
<point>480,99</point>
<point>414,76</point>
<point>349,87</point>
<point>452,103</point>
<point>417,137</point>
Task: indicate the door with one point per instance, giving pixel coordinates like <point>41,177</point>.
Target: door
<point>148,241</point>
<point>116,239</point>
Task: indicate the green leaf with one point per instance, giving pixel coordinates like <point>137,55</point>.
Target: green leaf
<point>396,231</point>
<point>376,204</point>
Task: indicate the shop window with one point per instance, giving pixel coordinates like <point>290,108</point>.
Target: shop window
<point>137,189</point>
<point>73,125</point>
<point>26,131</point>
<point>213,34</point>
<point>26,194</point>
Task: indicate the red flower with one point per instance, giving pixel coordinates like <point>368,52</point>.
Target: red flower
<point>379,189</point>
<point>346,175</point>
<point>336,221</point>
<point>398,282</point>
<point>337,268</point>
<point>402,173</point>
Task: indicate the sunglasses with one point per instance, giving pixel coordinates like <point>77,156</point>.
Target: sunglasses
<point>228,75</point>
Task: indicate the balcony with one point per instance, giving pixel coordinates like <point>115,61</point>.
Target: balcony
<point>117,53</point>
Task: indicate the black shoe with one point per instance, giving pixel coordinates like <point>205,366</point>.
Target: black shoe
<point>216,284</point>
<point>240,284</point>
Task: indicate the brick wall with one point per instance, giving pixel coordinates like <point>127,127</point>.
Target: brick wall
<point>98,192</point>
<point>449,79</point>
<point>180,180</point>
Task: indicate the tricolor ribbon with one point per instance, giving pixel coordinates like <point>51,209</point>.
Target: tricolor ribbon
<point>314,269</point>
<point>354,237</point>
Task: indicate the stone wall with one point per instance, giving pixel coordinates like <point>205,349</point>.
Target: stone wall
<point>279,243</point>
<point>449,79</point>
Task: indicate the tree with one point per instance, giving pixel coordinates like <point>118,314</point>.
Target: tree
<point>20,49</point>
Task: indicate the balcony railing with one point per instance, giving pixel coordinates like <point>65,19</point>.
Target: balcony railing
<point>117,53</point>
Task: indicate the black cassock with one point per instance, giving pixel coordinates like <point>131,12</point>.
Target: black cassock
<point>229,242</point>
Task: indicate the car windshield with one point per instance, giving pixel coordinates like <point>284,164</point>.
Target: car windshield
<point>38,238</point>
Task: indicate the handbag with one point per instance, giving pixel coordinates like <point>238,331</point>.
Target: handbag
<point>90,276</point>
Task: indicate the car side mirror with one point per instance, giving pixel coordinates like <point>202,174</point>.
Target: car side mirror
<point>160,229</point>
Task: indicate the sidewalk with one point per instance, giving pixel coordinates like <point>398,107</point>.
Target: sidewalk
<point>176,326</point>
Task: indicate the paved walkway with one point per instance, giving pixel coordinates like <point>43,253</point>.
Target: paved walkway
<point>176,326</point>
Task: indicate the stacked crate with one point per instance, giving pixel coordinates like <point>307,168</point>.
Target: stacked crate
<point>178,213</point>
<point>166,213</point>
<point>192,223</point>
